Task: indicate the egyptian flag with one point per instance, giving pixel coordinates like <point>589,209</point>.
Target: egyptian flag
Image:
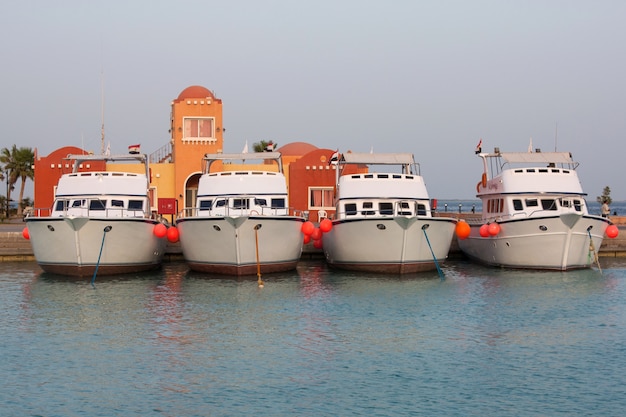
<point>479,147</point>
<point>134,149</point>
<point>270,146</point>
<point>334,158</point>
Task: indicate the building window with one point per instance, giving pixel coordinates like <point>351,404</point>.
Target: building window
<point>320,198</point>
<point>198,128</point>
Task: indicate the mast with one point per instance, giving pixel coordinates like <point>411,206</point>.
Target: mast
<point>102,113</point>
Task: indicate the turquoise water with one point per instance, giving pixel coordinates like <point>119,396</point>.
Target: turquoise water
<point>315,342</point>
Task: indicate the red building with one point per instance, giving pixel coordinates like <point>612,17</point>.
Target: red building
<point>48,170</point>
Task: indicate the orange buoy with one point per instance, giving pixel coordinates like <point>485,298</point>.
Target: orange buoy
<point>172,234</point>
<point>484,230</point>
<point>307,228</point>
<point>160,230</point>
<point>462,230</point>
<point>326,225</point>
<point>25,233</point>
<point>612,231</point>
<point>494,229</point>
<point>317,243</point>
<point>317,234</point>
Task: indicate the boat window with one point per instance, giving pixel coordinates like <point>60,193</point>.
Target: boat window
<point>517,205</point>
<point>548,204</point>
<point>241,203</point>
<point>205,204</point>
<point>421,210</point>
<point>97,204</point>
<point>278,203</point>
<point>531,202</point>
<point>385,208</point>
<point>577,205</point>
<point>260,202</point>
<point>350,209</point>
<point>78,203</point>
<point>117,203</point>
<point>135,205</point>
<point>383,175</point>
<point>368,208</point>
<point>61,205</point>
<point>495,205</point>
<point>565,203</point>
<point>405,210</point>
<point>220,203</point>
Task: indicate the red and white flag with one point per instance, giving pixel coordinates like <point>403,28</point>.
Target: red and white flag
<point>479,147</point>
<point>334,158</point>
<point>134,148</point>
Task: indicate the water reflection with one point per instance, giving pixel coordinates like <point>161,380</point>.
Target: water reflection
<point>314,342</point>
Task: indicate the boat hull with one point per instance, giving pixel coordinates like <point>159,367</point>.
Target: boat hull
<point>552,243</point>
<point>76,246</point>
<point>229,245</point>
<point>396,245</point>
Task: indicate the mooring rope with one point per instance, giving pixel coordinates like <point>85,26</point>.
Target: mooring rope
<point>593,248</point>
<point>258,262</point>
<point>424,227</point>
<point>93,279</point>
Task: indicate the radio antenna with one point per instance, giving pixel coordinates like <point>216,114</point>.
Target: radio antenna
<point>102,113</point>
<point>556,134</point>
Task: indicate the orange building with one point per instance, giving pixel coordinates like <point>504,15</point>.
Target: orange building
<point>196,128</point>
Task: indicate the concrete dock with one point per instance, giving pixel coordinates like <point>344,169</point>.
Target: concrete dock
<point>13,246</point>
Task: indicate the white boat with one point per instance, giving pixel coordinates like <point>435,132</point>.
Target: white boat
<point>534,214</point>
<point>242,223</point>
<point>383,220</point>
<point>100,222</point>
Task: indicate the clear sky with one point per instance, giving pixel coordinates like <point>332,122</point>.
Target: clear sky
<point>426,77</point>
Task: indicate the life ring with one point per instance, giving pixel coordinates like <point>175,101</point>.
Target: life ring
<point>483,182</point>
<point>253,212</point>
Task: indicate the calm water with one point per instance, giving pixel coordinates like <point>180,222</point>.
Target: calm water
<point>315,342</point>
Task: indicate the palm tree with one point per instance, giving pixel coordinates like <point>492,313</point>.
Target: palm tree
<point>18,164</point>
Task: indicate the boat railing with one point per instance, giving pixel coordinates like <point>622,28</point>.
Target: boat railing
<point>228,211</point>
<point>400,208</point>
<point>540,212</point>
<point>40,212</point>
<point>112,212</point>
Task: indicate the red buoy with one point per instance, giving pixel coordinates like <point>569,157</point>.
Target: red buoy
<point>494,229</point>
<point>612,231</point>
<point>172,234</point>
<point>326,225</point>
<point>307,228</point>
<point>317,234</point>
<point>484,230</point>
<point>25,233</point>
<point>317,243</point>
<point>463,230</point>
<point>307,239</point>
<point>160,230</point>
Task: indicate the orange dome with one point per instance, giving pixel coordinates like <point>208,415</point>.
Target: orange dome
<point>195,91</point>
<point>296,149</point>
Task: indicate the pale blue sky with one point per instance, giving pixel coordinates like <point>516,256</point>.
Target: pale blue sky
<point>427,77</point>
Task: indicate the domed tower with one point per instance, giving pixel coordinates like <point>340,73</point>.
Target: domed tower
<point>196,129</point>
